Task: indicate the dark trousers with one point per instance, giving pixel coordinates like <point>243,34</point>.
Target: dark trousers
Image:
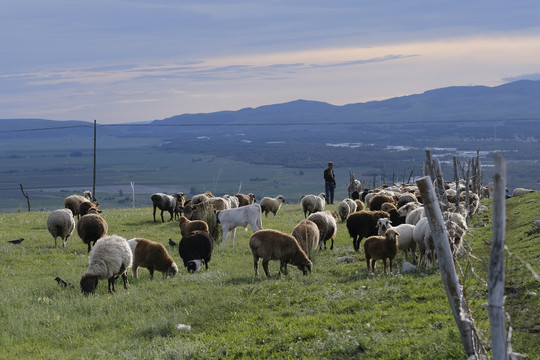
<point>329,190</point>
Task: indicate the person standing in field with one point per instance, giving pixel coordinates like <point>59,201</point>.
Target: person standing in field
<point>329,183</point>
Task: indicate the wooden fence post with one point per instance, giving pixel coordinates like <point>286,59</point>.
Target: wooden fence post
<point>458,304</point>
<point>496,263</point>
<point>26,196</point>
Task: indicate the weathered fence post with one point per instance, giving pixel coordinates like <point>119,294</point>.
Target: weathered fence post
<point>459,306</point>
<point>132,183</point>
<point>496,263</point>
<point>26,196</point>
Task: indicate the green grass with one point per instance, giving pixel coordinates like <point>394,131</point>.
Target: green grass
<point>337,312</point>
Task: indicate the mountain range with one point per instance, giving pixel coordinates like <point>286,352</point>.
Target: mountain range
<point>377,139</point>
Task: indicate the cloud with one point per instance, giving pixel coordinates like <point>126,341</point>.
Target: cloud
<point>535,76</point>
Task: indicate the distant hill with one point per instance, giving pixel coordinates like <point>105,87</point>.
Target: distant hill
<point>379,140</point>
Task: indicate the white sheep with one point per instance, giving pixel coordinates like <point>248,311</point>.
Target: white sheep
<point>422,236</point>
<point>345,207</point>
<point>276,245</point>
<point>326,222</point>
<point>111,257</point>
<point>230,219</point>
<point>415,215</point>
<point>269,204</point>
<point>61,223</point>
<point>312,203</point>
<point>406,241</point>
<point>521,191</point>
<point>306,232</point>
<point>381,248</point>
<point>151,255</point>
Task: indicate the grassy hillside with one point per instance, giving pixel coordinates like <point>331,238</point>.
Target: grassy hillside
<point>337,312</point>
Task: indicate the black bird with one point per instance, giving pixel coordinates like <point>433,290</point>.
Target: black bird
<point>172,243</point>
<point>18,241</point>
<point>62,282</point>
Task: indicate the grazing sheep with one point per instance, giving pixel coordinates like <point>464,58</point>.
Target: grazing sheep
<point>313,203</point>
<point>195,248</point>
<point>521,191</point>
<point>276,245</point>
<point>166,202</point>
<point>377,200</point>
<point>73,202</point>
<point>354,185</point>
<point>406,241</point>
<point>151,255</point>
<point>110,258</point>
<point>415,215</point>
<point>381,248</point>
<point>306,232</point>
<point>244,199</point>
<point>200,198</point>
<point>187,226</point>
<point>359,204</point>
<point>86,205</point>
<point>345,207</point>
<point>326,222</point>
<point>272,205</point>
<point>230,219</point>
<point>60,223</point>
<point>91,227</point>
<point>362,224</point>
<point>197,211</point>
<point>406,198</point>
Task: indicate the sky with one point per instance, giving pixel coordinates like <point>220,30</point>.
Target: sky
<point>119,61</point>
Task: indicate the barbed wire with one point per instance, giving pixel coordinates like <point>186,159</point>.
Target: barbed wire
<point>305,123</point>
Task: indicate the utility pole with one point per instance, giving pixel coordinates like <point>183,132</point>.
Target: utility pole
<point>94,185</point>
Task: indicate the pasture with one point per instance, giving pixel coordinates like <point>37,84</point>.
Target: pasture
<point>339,311</point>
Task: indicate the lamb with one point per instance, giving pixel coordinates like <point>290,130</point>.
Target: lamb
<point>272,205</point>
<point>276,245</point>
<point>306,232</point>
<point>244,199</point>
<point>381,248</point>
<point>195,248</point>
<point>110,258</point>
<point>61,223</point>
<point>166,203</point>
<point>230,219</point>
<point>151,255</point>
<point>187,226</point>
<point>345,207</point>
<point>363,224</point>
<point>326,222</point>
<point>73,202</point>
<point>313,203</point>
<point>521,191</point>
<point>91,227</point>
<point>406,241</point>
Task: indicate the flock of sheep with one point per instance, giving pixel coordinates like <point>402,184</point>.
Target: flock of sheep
<point>392,219</point>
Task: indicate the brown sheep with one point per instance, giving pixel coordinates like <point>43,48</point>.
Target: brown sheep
<point>73,202</point>
<point>151,255</point>
<point>307,235</point>
<point>381,248</point>
<point>271,244</point>
<point>86,205</point>
<point>187,226</point>
<point>244,199</point>
<point>387,206</point>
<point>359,204</point>
<point>377,201</point>
<point>362,224</point>
<point>91,227</point>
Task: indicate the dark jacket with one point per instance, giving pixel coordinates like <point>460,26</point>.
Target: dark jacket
<point>329,176</point>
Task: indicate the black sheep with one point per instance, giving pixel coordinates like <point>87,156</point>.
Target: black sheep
<point>196,246</point>
<point>363,224</point>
